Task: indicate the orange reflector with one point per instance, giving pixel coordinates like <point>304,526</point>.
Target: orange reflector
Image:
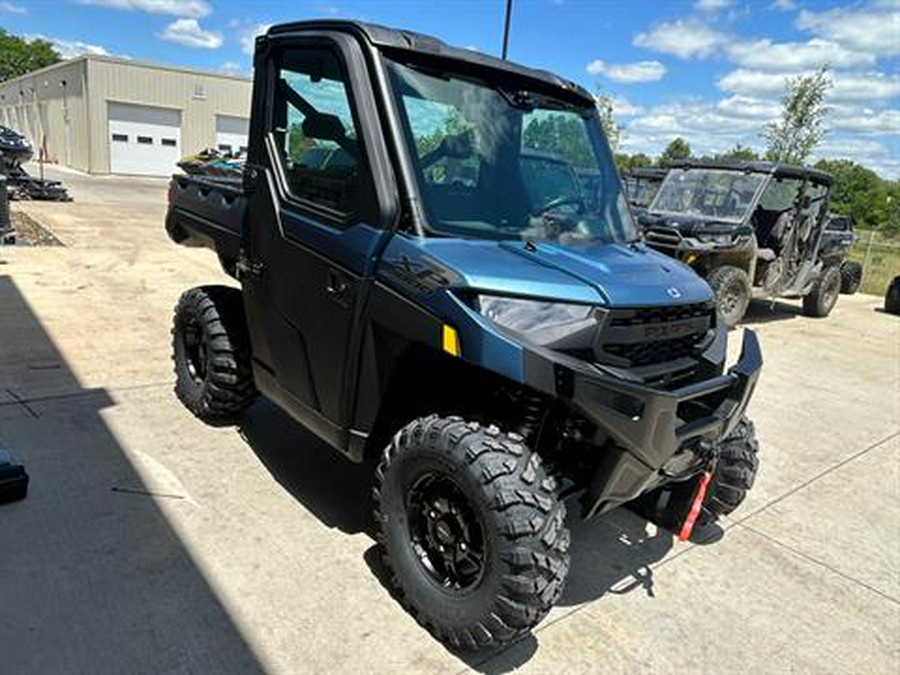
<point>696,505</point>
<point>451,341</point>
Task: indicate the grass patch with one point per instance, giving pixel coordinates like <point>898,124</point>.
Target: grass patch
<point>884,261</point>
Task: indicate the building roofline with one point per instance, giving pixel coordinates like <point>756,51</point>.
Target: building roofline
<point>126,62</point>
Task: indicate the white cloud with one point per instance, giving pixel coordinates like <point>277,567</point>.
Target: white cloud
<point>188,32</point>
<point>194,9</point>
<point>622,107</point>
<point>248,37</point>
<point>867,121</point>
<point>10,8</point>
<point>628,73</point>
<point>853,86</point>
<point>749,107</point>
<point>70,49</point>
<point>711,5</point>
<point>784,5</point>
<point>231,68</point>
<point>790,56</point>
<point>873,28</point>
<point>683,38</point>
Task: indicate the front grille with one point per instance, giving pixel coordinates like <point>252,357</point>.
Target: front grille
<point>658,351</point>
<point>663,237</point>
<point>636,338</point>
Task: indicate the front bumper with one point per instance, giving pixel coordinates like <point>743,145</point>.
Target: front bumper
<point>656,435</point>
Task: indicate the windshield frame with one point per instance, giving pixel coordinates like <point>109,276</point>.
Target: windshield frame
<point>548,97</point>
<point>766,178</point>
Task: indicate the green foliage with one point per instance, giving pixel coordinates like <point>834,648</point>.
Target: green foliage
<point>862,194</point>
<point>626,162</point>
<point>19,56</point>
<point>611,128</point>
<point>677,149</point>
<point>562,135</point>
<point>739,153</point>
<point>800,128</point>
<point>453,125</point>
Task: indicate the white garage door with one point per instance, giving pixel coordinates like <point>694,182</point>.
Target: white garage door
<point>144,140</point>
<point>232,133</point>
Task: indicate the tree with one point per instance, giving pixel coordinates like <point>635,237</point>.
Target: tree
<point>677,149</point>
<point>739,153</point>
<point>858,192</point>
<point>800,128</point>
<point>611,129</point>
<point>561,134</point>
<point>19,56</point>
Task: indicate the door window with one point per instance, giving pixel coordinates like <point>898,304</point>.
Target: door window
<point>318,137</point>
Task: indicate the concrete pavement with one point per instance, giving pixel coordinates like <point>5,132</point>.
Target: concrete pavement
<point>150,543</point>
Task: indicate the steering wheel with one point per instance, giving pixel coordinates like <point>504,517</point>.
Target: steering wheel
<point>561,201</point>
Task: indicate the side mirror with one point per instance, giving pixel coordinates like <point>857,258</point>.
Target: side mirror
<point>324,127</point>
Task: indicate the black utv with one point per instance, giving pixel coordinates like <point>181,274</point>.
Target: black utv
<point>749,228</point>
<point>837,240</point>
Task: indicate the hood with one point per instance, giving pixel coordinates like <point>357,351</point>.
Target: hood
<point>615,275</point>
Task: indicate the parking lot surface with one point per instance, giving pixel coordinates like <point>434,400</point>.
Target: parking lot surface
<point>150,543</point>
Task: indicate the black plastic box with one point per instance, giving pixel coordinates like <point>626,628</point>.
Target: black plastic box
<point>13,479</point>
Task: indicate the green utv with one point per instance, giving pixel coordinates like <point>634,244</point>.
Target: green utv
<point>751,229</point>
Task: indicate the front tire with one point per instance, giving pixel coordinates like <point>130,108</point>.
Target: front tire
<point>211,351</point>
<point>731,286</point>
<point>735,471</point>
<point>824,294</point>
<point>472,531</point>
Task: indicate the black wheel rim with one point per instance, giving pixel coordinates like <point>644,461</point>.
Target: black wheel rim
<point>195,351</point>
<point>446,535</point>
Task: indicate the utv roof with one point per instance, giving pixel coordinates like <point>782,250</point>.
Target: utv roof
<point>432,47</point>
<point>647,172</point>
<point>773,168</point>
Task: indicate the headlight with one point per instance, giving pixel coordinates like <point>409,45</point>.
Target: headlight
<point>541,321</point>
<point>714,238</point>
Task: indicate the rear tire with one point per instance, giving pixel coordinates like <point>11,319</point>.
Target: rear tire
<point>851,277</point>
<point>472,531</point>
<point>892,297</point>
<point>731,286</point>
<point>824,294</point>
<point>211,351</point>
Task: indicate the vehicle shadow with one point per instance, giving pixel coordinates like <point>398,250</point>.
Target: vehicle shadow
<point>93,577</point>
<point>337,491</point>
<point>763,311</point>
<point>612,554</point>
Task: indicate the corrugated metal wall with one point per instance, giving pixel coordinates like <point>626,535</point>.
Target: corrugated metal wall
<point>199,97</point>
<point>39,106</point>
<point>49,107</point>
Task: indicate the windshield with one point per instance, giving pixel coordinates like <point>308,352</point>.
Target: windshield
<point>496,164</point>
<point>641,189</point>
<point>708,193</point>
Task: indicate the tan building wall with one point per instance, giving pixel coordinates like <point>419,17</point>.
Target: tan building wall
<point>48,106</point>
<point>71,120</point>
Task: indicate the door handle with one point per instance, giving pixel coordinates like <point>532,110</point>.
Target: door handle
<point>337,286</point>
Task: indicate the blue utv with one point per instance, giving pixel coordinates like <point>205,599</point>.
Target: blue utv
<point>439,272</point>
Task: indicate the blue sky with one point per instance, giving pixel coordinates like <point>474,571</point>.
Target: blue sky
<point>710,71</point>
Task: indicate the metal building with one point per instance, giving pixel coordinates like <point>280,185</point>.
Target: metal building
<point>105,115</point>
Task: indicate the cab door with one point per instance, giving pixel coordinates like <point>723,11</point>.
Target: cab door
<point>317,220</point>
